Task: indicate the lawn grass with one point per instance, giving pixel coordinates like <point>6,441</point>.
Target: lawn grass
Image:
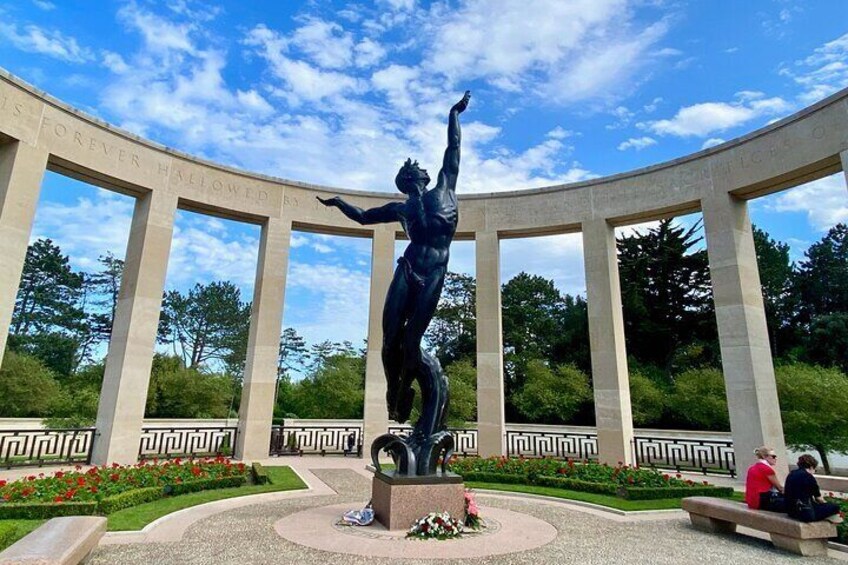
<point>136,517</point>
<point>13,530</point>
<point>599,499</point>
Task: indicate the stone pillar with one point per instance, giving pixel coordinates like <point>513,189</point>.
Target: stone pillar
<point>263,347</point>
<point>124,392</point>
<point>376,420</point>
<point>844,158</point>
<point>745,353</point>
<point>491,423</point>
<point>606,339</point>
<point>21,171</point>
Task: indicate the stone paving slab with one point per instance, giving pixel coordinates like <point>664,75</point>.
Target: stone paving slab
<point>583,535</point>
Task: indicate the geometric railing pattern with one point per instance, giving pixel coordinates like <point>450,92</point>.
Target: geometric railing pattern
<point>323,440</point>
<point>199,441</point>
<point>38,447</point>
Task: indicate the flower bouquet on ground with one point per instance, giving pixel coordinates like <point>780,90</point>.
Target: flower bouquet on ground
<point>435,525</point>
<point>472,513</point>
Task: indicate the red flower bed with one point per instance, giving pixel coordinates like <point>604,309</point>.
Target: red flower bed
<point>98,483</point>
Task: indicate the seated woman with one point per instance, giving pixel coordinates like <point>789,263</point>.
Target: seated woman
<point>763,490</point>
<point>803,497</point>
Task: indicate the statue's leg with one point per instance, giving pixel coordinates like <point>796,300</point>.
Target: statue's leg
<point>427,371</point>
<point>394,320</point>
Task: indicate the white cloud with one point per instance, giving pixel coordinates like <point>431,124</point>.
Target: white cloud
<point>160,35</point>
<point>555,257</point>
<point>562,51</point>
<point>712,142</point>
<point>637,143</point>
<point>702,119</point>
<point>368,53</point>
<point>825,201</point>
<point>53,43</point>
<point>70,225</point>
<point>44,5</point>
<point>325,43</point>
<point>822,73</point>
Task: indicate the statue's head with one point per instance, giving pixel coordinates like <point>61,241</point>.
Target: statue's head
<point>412,178</point>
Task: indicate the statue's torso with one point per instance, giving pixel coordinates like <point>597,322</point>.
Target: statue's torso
<point>430,223</point>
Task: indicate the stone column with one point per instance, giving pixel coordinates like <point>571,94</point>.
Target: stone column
<point>124,392</point>
<point>745,353</point>
<point>606,339</point>
<point>376,420</point>
<point>844,158</point>
<point>21,171</point>
<point>491,423</point>
<point>263,347</point>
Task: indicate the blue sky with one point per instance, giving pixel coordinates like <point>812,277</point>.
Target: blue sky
<point>340,93</point>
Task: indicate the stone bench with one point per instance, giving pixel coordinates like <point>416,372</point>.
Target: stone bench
<point>59,541</point>
<point>722,516</point>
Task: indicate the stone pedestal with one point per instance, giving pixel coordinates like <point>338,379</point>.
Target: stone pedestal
<point>399,501</point>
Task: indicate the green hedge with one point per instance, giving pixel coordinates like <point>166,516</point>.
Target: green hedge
<point>44,510</point>
<point>654,493</point>
<point>630,493</point>
<point>260,475</point>
<point>40,511</point>
<point>575,484</point>
<point>8,534</point>
<point>484,477</point>
<point>129,498</point>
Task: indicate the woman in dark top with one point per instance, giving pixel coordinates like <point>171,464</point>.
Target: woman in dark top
<point>803,497</point>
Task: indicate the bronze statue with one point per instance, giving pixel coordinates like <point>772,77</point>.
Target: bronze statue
<point>429,218</point>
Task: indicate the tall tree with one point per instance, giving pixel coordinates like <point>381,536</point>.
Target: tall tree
<point>776,280</point>
<point>453,331</point>
<point>48,321</point>
<point>533,313</point>
<point>48,294</point>
<point>207,323</point>
<point>105,285</point>
<point>666,292</point>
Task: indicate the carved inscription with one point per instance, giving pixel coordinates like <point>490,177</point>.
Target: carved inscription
<point>90,143</point>
<point>221,188</point>
<point>775,151</point>
<point>290,201</point>
<point>10,107</point>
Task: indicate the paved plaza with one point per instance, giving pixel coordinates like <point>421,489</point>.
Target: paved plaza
<point>255,530</point>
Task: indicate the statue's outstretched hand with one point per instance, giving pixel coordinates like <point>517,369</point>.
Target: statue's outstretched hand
<point>334,201</point>
<point>460,106</point>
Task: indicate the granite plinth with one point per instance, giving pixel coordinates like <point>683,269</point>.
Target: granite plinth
<point>399,501</point>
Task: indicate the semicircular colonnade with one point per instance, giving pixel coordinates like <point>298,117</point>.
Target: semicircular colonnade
<point>38,132</point>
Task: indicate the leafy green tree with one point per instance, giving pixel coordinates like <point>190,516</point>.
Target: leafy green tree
<point>462,379</point>
<point>208,323</point>
<point>105,285</point>
<point>294,355</point>
<point>177,391</point>
<point>533,311</point>
<point>453,331</point>
<point>28,389</point>
<point>334,389</point>
<point>47,320</point>
<point>666,292</point>
<point>552,396</point>
<point>699,399</point>
<point>48,291</point>
<point>827,340</point>
<point>814,407</point>
<point>572,346</point>
<point>821,280</point>
<point>647,399</point>
<point>776,280</point>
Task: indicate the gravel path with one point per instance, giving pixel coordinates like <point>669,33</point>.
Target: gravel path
<point>247,535</point>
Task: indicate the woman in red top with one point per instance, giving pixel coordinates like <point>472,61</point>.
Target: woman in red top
<point>763,490</point>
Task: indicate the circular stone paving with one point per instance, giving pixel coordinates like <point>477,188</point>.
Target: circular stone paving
<point>507,531</point>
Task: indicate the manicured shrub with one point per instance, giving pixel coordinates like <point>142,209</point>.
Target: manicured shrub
<point>621,480</point>
<point>652,493</point>
<point>129,498</point>
<point>44,510</point>
<point>260,475</point>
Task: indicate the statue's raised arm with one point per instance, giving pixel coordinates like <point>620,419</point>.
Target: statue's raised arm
<point>450,165</point>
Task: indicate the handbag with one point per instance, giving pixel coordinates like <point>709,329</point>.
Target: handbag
<point>804,510</point>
